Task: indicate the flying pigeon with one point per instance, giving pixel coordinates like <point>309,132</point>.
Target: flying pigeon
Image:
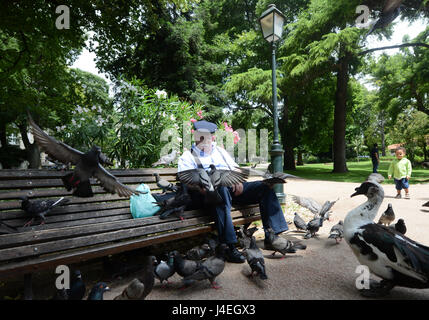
<point>134,291</point>
<point>313,226</point>
<point>390,255</point>
<point>280,244</point>
<point>255,259</point>
<point>399,226</point>
<point>166,160</point>
<point>98,291</point>
<point>165,269</point>
<point>391,10</point>
<point>210,268</point>
<point>337,232</point>
<point>39,208</point>
<point>314,206</point>
<point>299,222</point>
<point>388,216</point>
<point>87,165</point>
<point>164,185</point>
<point>176,204</point>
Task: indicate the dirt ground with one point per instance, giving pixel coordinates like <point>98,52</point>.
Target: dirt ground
<point>324,270</point>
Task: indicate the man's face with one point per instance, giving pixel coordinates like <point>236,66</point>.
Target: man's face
<point>203,140</point>
<point>399,154</point>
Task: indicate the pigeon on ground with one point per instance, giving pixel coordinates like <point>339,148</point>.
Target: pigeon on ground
<point>77,287</point>
<point>39,208</point>
<point>210,181</point>
<point>211,267</point>
<point>147,275</point>
<point>280,244</point>
<point>244,235</point>
<point>7,229</point>
<point>166,160</point>
<point>399,226</point>
<point>87,165</point>
<point>184,267</point>
<point>313,226</point>
<point>388,216</point>
<point>337,232</point>
<point>201,252</point>
<point>255,259</point>
<point>299,222</point>
<point>391,10</point>
<point>425,204</point>
<point>164,185</point>
<point>165,269</point>
<point>98,291</point>
<point>134,291</point>
<point>314,206</point>
<point>176,204</point>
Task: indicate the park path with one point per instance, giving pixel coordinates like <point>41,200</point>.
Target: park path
<point>323,271</point>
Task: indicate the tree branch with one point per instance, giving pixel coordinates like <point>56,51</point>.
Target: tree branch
<point>416,44</point>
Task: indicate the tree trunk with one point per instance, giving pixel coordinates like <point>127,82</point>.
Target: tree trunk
<point>3,136</point>
<point>33,152</point>
<point>339,140</point>
<point>299,161</point>
<point>289,158</point>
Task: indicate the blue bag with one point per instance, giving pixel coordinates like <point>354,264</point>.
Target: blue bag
<point>142,206</point>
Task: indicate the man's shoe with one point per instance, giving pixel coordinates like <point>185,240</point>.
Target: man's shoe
<point>233,255</point>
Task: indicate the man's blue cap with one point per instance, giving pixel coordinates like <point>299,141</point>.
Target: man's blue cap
<point>205,126</point>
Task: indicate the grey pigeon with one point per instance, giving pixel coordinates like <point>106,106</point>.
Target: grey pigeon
<point>337,232</point>
<point>244,235</point>
<point>399,226</point>
<point>98,290</point>
<point>147,275</point>
<point>255,259</point>
<point>210,268</point>
<point>376,177</point>
<point>203,251</point>
<point>313,226</point>
<point>184,267</point>
<point>165,269</point>
<point>164,185</point>
<point>314,206</point>
<point>176,204</point>
<point>280,244</point>
<point>166,160</point>
<point>134,291</point>
<point>390,12</point>
<point>299,222</point>
<point>388,216</point>
<point>87,165</point>
<point>37,209</point>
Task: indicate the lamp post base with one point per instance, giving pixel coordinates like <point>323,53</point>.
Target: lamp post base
<point>276,153</point>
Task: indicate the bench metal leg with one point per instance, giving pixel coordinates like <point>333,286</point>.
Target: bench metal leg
<point>28,287</point>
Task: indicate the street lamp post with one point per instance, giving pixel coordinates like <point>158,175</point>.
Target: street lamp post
<point>271,22</point>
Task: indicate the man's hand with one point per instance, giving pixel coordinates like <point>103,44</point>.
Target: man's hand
<point>408,177</point>
<point>237,189</point>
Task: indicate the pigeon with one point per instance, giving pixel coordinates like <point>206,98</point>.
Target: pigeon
<point>98,291</point>
<point>376,177</point>
<point>165,269</point>
<point>280,244</point>
<point>399,226</point>
<point>201,252</point>
<point>244,235</point>
<point>269,178</point>
<point>134,291</point>
<point>184,267</point>
<point>210,181</point>
<point>87,165</point>
<point>337,232</point>
<point>39,208</point>
<point>388,216</point>
<point>391,10</point>
<point>210,268</point>
<point>390,255</point>
<point>313,226</point>
<point>77,287</point>
<point>147,275</point>
<point>164,185</point>
<point>255,259</point>
<point>425,204</point>
<point>176,204</point>
<point>166,160</point>
<point>299,222</point>
<point>7,229</point>
<point>314,206</point>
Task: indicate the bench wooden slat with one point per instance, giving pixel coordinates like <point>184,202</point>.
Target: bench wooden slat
<point>54,260</point>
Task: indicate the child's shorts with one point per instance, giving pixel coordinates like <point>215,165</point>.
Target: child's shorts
<point>401,184</point>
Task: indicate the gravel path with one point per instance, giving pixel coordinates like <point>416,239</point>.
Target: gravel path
<point>323,271</point>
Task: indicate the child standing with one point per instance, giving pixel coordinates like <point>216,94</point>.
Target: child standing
<point>400,169</point>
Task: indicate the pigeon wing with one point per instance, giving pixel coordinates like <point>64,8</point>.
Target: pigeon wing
<point>308,203</point>
<point>229,178</point>
<point>55,149</point>
<point>391,5</point>
<point>111,184</point>
<point>195,177</point>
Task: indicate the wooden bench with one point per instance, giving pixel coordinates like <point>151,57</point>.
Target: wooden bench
<point>87,228</point>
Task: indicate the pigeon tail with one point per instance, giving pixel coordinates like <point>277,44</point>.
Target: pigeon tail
<point>83,190</point>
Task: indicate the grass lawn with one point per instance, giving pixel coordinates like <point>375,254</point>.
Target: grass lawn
<point>358,172</point>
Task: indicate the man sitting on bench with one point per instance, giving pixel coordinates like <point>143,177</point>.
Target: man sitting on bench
<point>206,152</point>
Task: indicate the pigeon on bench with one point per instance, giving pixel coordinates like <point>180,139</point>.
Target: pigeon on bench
<point>166,160</point>
<point>388,216</point>
<point>87,165</point>
<point>164,185</point>
<point>37,209</point>
<point>176,204</point>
